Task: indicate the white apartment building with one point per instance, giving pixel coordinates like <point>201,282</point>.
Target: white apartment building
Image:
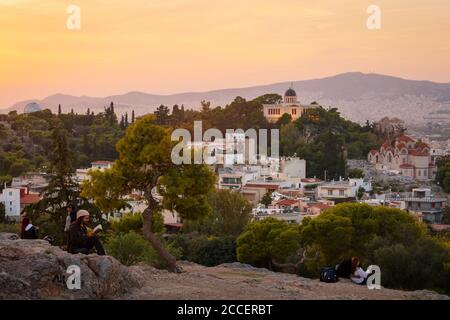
<point>83,174</point>
<point>101,164</point>
<point>10,197</point>
<point>342,189</point>
<point>236,177</point>
<point>15,199</point>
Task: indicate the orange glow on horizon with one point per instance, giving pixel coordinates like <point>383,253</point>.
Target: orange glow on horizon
<point>162,46</point>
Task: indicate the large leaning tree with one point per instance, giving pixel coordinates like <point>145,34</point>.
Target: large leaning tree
<point>145,165</point>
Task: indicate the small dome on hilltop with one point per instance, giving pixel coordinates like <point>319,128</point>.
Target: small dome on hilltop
<point>290,93</point>
<point>32,107</point>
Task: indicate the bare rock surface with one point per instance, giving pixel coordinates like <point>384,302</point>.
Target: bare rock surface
<point>33,269</point>
<point>243,282</point>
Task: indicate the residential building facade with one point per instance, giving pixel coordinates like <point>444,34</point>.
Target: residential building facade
<point>341,191</point>
<point>422,203</point>
<point>16,199</point>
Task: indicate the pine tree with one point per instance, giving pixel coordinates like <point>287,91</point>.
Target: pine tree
<point>50,213</point>
<point>132,116</point>
<point>122,122</point>
<point>182,114</point>
<point>175,117</point>
<point>162,115</point>
<point>126,120</point>
<point>59,109</point>
<point>86,147</point>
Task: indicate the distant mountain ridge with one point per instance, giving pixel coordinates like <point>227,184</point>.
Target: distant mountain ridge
<point>358,96</point>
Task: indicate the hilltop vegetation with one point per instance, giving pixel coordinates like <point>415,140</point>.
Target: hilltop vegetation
<point>325,140</point>
<point>26,139</point>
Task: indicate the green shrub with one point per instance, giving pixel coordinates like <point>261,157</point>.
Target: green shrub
<point>231,213</point>
<point>268,239</point>
<point>134,222</point>
<point>423,264</point>
<point>214,251</point>
<point>129,222</point>
<point>206,251</point>
<point>131,248</point>
<point>9,227</point>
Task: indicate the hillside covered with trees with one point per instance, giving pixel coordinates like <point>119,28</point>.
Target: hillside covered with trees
<point>26,139</point>
<point>321,136</point>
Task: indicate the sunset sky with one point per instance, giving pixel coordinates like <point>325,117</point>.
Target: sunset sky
<point>168,46</point>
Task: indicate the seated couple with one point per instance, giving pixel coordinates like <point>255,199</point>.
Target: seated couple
<point>352,269</point>
<point>80,240</point>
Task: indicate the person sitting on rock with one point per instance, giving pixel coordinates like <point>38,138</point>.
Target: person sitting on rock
<point>358,275</point>
<point>28,231</point>
<point>344,268</point>
<point>80,241</point>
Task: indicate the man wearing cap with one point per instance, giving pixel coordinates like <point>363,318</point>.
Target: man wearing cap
<point>80,241</point>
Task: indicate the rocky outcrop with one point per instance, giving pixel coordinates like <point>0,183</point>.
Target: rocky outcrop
<point>8,236</point>
<point>33,269</point>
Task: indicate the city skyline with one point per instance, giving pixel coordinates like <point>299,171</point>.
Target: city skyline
<point>198,45</point>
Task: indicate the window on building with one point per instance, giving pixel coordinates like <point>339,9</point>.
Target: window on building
<point>330,192</point>
<point>10,203</point>
<point>10,194</point>
<point>418,173</point>
<point>341,193</point>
